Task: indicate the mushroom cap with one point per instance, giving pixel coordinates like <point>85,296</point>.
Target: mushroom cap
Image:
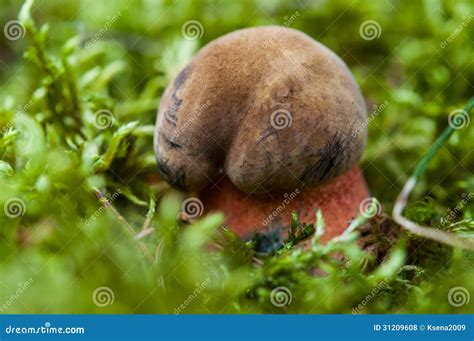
<point>269,107</point>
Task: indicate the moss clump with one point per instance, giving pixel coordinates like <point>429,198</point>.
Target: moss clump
<point>77,115</point>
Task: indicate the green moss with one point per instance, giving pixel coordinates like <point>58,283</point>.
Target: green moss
<point>77,109</point>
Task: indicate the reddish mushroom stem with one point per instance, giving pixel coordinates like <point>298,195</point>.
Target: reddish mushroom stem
<point>338,199</point>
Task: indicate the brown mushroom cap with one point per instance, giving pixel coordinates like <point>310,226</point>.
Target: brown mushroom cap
<point>269,107</point>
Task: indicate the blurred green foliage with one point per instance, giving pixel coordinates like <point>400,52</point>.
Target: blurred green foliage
<point>78,58</point>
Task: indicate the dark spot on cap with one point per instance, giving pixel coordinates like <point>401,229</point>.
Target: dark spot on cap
<point>170,142</point>
<point>331,159</point>
<point>181,77</point>
<point>177,179</point>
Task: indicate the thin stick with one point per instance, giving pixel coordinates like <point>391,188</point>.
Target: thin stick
<point>106,203</point>
<point>425,231</point>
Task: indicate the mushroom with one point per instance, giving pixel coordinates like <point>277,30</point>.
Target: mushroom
<point>262,122</point>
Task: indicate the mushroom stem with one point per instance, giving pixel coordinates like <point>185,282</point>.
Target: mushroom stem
<point>338,199</point>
